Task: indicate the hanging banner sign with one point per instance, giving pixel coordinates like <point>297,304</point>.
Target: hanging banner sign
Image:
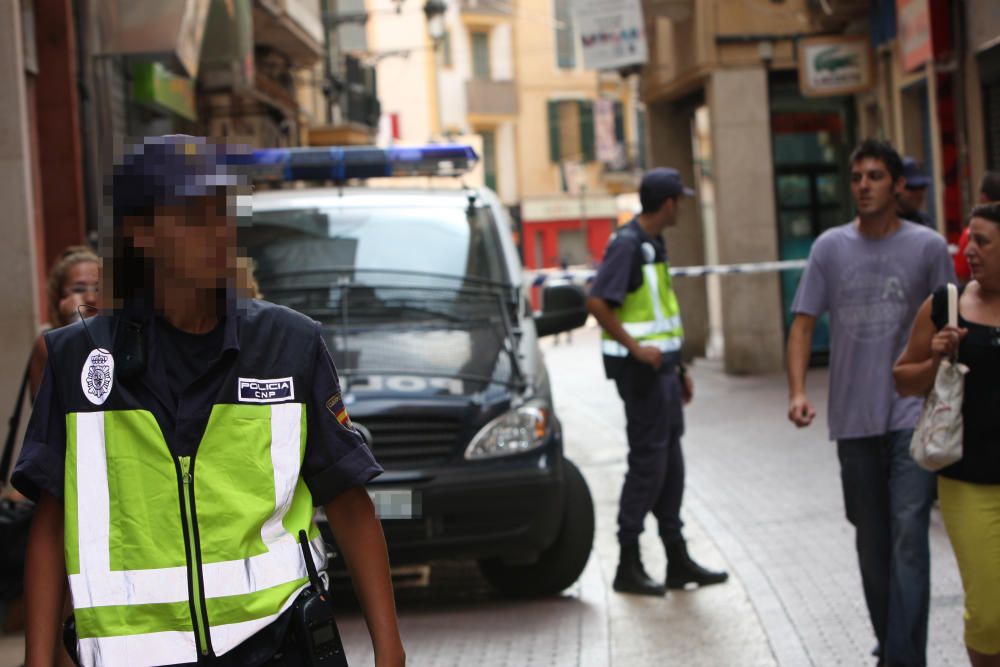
<point>612,32</point>
<point>840,65</point>
<point>914,33</point>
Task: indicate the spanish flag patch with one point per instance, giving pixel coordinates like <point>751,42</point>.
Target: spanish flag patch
<point>337,408</point>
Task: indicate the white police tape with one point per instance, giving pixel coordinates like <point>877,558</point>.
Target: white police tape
<point>583,276</point>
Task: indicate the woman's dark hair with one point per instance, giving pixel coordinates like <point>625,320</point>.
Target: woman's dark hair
<point>128,274</point>
<point>989,212</point>
<point>880,149</point>
<point>990,186</point>
<point>153,172</point>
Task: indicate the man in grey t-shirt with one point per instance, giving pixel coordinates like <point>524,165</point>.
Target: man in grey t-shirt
<point>871,275</point>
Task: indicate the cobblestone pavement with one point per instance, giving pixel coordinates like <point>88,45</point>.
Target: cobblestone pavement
<point>767,497</point>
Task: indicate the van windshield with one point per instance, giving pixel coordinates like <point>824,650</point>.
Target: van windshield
<point>397,290</point>
<point>361,243</point>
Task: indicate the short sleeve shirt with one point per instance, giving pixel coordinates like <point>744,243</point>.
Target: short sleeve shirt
<point>621,269</point>
<point>336,457</point>
<point>621,272</point>
<point>872,290</point>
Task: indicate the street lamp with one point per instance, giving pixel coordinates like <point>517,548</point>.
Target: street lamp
<point>435,10</point>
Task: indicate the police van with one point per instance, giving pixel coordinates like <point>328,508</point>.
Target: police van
<point>420,295</point>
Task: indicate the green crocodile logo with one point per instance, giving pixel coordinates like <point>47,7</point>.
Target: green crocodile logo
<point>830,59</point>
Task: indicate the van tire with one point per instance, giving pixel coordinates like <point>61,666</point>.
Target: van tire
<point>559,566</point>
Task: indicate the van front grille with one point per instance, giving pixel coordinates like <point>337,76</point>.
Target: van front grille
<point>410,442</point>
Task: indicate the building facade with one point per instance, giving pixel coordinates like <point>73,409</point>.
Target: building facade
<point>82,76</point>
<point>558,143</point>
<point>760,103</point>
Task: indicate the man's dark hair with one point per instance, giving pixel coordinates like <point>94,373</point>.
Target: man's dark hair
<point>880,149</point>
<point>989,212</point>
<point>990,186</point>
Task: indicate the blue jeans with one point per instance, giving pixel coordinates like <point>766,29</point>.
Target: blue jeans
<point>888,500</point>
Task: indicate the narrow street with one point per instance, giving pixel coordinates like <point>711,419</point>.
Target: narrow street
<point>763,500</point>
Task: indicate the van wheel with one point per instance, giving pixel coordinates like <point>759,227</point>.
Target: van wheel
<point>562,563</point>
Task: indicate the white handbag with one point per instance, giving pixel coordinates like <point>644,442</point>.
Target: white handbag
<point>937,441</point>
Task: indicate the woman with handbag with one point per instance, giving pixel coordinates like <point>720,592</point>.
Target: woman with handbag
<point>969,489</point>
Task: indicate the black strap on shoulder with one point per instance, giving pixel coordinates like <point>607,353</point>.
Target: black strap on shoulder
<point>14,424</point>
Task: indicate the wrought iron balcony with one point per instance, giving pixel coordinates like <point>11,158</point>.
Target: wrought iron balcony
<point>492,98</point>
<point>491,7</point>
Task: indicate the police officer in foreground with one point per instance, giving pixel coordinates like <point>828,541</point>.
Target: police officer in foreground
<point>633,300</point>
<point>178,446</point>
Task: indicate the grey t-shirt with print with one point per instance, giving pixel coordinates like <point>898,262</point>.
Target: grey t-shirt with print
<point>872,290</point>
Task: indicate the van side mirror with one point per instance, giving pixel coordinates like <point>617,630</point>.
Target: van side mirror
<point>563,309</point>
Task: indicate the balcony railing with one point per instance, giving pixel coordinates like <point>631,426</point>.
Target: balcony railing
<point>291,26</point>
<point>495,7</point>
<point>494,98</point>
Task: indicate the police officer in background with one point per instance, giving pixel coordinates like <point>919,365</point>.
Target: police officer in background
<point>179,443</point>
<point>910,200</point>
<point>633,300</point>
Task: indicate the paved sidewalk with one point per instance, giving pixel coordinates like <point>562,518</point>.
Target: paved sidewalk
<point>765,495</point>
<point>763,500</point>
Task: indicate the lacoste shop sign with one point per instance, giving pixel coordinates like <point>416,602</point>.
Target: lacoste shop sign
<point>835,65</point>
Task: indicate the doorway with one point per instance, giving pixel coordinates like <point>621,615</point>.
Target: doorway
<point>812,140</point>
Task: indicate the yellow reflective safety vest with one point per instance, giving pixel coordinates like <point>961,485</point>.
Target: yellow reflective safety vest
<point>650,313</point>
<point>171,557</point>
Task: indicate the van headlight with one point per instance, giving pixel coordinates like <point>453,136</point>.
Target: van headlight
<point>514,432</point>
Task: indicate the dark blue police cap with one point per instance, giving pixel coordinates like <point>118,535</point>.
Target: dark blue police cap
<point>914,175</point>
<point>167,170</point>
<point>660,184</point>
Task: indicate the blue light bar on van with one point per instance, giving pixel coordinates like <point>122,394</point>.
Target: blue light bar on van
<point>353,163</point>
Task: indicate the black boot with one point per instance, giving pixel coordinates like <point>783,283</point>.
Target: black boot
<point>631,577</point>
<point>681,570</point>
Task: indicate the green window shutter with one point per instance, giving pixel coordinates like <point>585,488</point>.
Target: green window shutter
<point>619,122</point>
<point>587,147</point>
<point>640,138</point>
<point>555,154</point>
<point>490,158</point>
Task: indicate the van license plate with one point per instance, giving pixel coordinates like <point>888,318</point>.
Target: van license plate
<point>395,503</point>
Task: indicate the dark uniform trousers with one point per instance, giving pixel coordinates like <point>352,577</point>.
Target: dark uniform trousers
<point>654,482</point>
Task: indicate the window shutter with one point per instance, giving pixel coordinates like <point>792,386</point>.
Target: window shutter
<point>587,147</point>
<point>555,153</point>
<point>640,138</point>
<point>619,123</point>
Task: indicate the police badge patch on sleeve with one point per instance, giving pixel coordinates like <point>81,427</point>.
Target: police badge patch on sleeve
<point>98,376</point>
<point>337,408</point>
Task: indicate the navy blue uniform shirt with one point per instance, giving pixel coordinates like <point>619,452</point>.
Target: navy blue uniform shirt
<point>621,273</point>
<point>336,457</point>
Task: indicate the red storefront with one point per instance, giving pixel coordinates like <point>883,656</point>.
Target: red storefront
<point>566,229</point>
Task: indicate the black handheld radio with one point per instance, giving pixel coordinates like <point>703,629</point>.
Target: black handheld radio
<point>313,625</point>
